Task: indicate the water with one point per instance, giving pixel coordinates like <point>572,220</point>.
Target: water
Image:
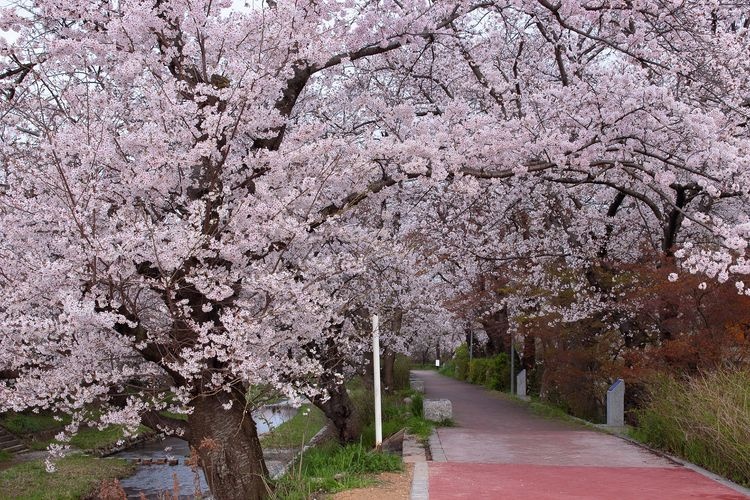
<point>151,480</point>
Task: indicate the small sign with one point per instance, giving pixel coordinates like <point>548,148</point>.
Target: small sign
<point>437,363</point>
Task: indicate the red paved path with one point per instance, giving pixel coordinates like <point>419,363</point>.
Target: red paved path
<point>499,449</point>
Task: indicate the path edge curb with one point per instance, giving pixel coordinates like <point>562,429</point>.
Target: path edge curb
<point>419,482</point>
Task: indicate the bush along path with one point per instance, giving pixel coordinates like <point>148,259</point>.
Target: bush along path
<point>500,449</point>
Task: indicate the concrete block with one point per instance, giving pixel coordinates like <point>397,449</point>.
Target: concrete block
<point>437,410</point>
<point>521,385</point>
<point>416,385</point>
<point>412,450</point>
<point>616,404</point>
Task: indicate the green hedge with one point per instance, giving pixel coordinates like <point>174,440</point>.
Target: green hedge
<point>498,373</point>
<point>493,373</point>
<point>461,361</point>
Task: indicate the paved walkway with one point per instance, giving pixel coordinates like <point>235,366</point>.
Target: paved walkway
<point>499,449</point>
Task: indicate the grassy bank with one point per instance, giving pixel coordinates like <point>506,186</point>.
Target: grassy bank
<point>37,430</point>
<point>330,467</point>
<point>705,420</point>
<point>297,431</point>
<point>76,477</point>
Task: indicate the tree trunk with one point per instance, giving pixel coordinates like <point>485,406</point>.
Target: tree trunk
<point>389,356</point>
<point>341,411</point>
<point>228,447</point>
<point>529,353</point>
<point>496,327</point>
<point>389,360</point>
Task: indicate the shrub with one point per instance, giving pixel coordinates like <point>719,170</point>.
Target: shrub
<point>401,368</point>
<point>498,373</point>
<point>478,371</point>
<point>448,369</point>
<point>461,360</point>
<point>705,419</point>
<point>417,409</point>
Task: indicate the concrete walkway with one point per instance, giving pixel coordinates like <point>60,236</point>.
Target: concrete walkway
<point>499,449</point>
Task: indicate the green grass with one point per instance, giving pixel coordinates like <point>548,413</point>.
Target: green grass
<point>5,456</point>
<point>331,467</point>
<point>260,395</point>
<point>88,439</point>
<point>38,429</point>
<point>75,477</point>
<point>93,438</point>
<point>705,419</point>
<point>296,431</point>
<point>547,410</point>
<point>176,416</point>
<point>28,423</point>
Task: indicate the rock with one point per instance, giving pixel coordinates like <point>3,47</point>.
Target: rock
<point>339,476</point>
<point>173,461</point>
<point>407,400</point>
<point>417,385</point>
<point>437,410</point>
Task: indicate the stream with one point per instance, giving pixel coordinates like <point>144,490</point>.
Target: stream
<point>154,479</point>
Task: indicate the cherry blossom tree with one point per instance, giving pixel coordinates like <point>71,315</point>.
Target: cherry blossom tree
<point>190,189</point>
<point>163,204</point>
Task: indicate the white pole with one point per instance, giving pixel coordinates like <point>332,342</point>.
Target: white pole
<point>512,365</point>
<point>376,380</point>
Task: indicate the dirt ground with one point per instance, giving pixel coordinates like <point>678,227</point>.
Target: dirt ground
<point>392,486</point>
